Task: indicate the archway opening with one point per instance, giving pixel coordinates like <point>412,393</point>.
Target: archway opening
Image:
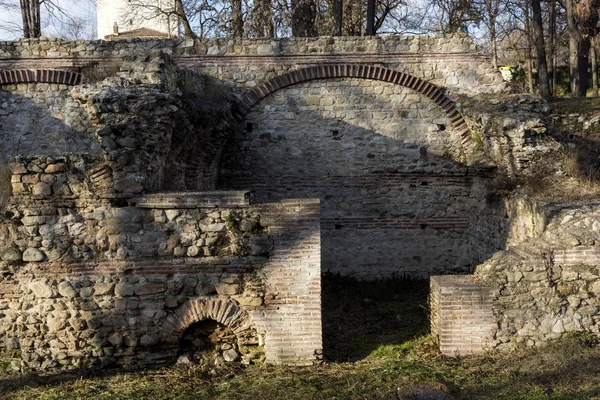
<point>212,344</point>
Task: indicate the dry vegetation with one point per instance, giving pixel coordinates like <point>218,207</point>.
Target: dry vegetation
<point>375,342</point>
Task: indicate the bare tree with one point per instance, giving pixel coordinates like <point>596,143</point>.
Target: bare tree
<point>182,16</point>
<point>370,18</point>
<point>262,19</point>
<point>177,11</point>
<point>490,12</point>
<point>76,28</point>
<point>32,21</point>
<point>304,14</point>
<point>384,8</point>
<point>540,49</point>
<point>452,16</point>
<point>338,17</point>
<point>552,19</point>
<point>582,21</point>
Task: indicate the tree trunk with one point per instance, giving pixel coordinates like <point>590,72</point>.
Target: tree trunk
<point>187,29</point>
<point>529,58</point>
<point>36,20</point>
<point>540,49</point>
<point>304,13</point>
<point>30,14</point>
<point>25,17</point>
<point>552,45</point>
<point>370,18</point>
<point>338,13</point>
<point>237,19</point>
<point>594,67</point>
<point>578,50</point>
<point>494,45</point>
<point>262,20</point>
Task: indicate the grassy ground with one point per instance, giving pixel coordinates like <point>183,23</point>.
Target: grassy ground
<point>375,342</point>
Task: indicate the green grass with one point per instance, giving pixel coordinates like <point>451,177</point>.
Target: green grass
<point>376,341</point>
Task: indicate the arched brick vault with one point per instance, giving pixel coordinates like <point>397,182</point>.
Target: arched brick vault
<point>329,71</point>
<point>224,311</point>
<point>14,76</point>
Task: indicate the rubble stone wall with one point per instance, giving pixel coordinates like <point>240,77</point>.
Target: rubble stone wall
<point>99,284</point>
<point>43,118</point>
<point>548,279</point>
<point>544,284</point>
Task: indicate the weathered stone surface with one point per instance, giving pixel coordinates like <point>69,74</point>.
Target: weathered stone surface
<point>41,290</point>
<point>123,289</point>
<point>436,391</point>
<point>102,288</point>
<point>65,289</point>
<point>11,254</point>
<point>42,189</point>
<point>33,255</point>
<point>231,355</point>
<point>149,288</point>
<point>212,227</point>
<point>148,340</point>
<point>247,225</point>
<point>228,289</point>
<point>184,359</point>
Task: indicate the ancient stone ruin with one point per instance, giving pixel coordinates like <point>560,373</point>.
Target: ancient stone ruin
<point>178,199</point>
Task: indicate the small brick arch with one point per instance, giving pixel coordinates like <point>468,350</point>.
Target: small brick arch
<point>328,71</point>
<point>225,311</point>
<point>14,76</point>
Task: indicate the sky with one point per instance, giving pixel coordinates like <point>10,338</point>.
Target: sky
<point>81,10</point>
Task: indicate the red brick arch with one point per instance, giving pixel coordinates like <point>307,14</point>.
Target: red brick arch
<point>14,76</point>
<point>328,71</point>
<point>225,311</point>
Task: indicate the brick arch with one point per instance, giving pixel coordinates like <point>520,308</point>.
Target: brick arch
<point>14,76</point>
<point>225,311</point>
<point>328,71</point>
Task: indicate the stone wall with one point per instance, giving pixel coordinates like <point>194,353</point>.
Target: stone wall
<point>549,282</point>
<point>150,121</point>
<point>380,158</point>
<point>99,285</point>
<point>99,269</point>
<point>544,284</point>
<point>511,132</point>
<point>449,61</point>
<point>43,118</point>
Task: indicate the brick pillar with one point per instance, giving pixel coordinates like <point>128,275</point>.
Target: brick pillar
<point>462,319</point>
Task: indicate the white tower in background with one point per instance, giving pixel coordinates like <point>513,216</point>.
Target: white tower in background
<point>119,16</point>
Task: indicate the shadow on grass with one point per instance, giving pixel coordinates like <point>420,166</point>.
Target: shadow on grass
<point>14,383</point>
<point>359,317</point>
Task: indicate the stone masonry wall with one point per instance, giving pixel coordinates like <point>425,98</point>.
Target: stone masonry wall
<point>155,127</point>
<point>379,156</point>
<point>99,285</point>
<point>43,119</point>
<point>449,61</point>
<point>549,281</point>
<point>544,284</point>
<point>97,270</point>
